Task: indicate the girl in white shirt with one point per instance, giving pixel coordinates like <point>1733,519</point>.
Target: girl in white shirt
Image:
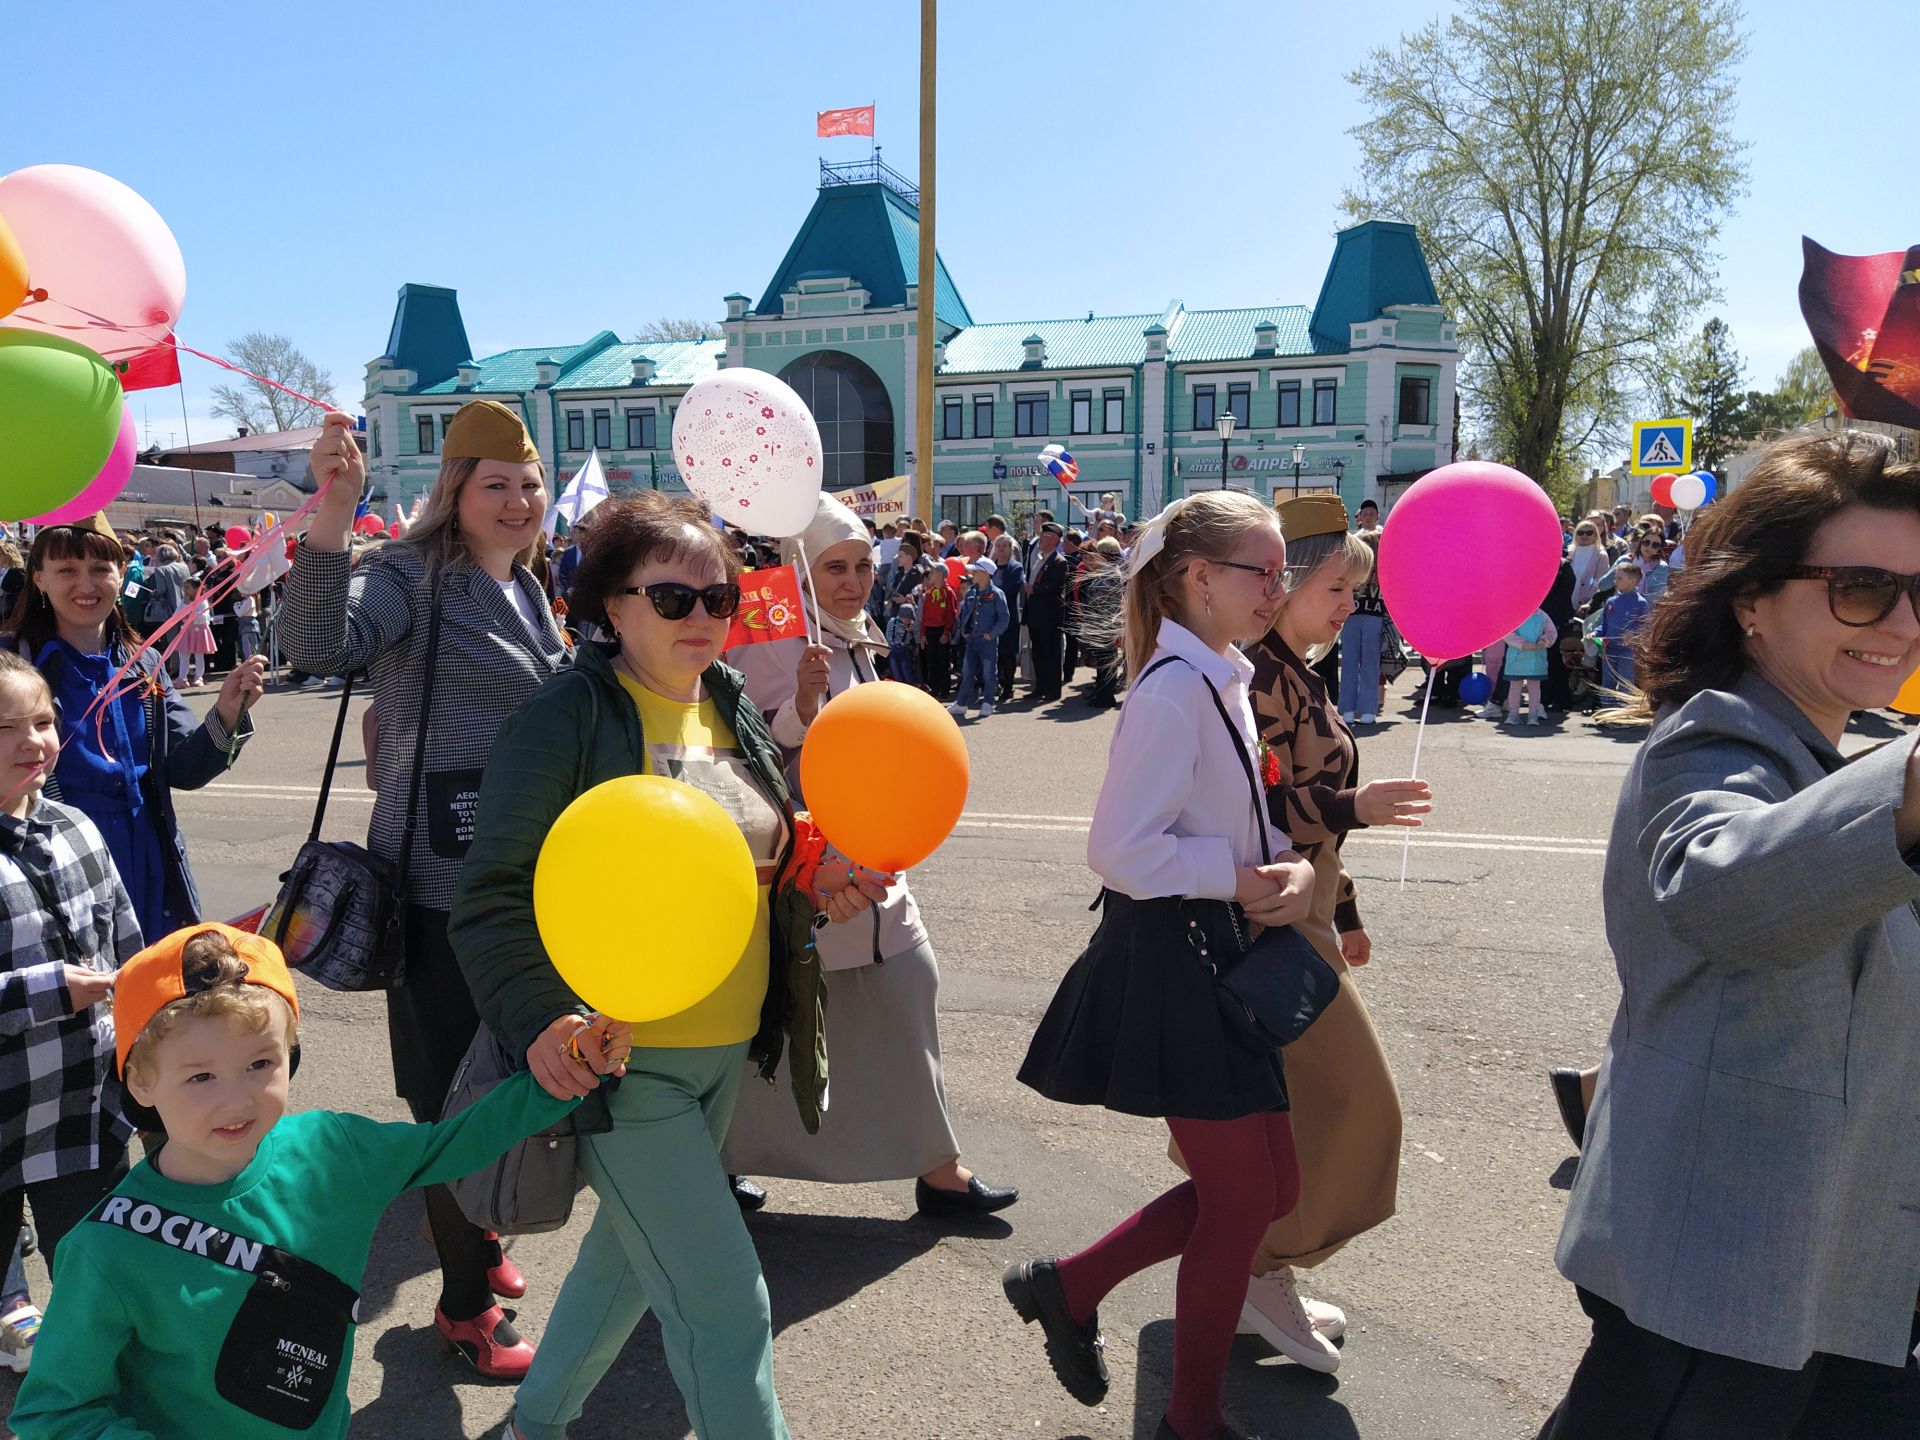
<point>1136,1025</point>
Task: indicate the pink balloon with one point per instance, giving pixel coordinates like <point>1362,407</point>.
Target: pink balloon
<point>95,247</point>
<point>1446,604</point>
<point>237,536</point>
<point>105,487</point>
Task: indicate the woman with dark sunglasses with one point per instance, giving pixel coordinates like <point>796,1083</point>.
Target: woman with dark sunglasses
<point>1743,1229</point>
<point>656,700</point>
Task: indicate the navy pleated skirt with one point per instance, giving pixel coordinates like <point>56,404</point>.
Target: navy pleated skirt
<point>1136,1026</point>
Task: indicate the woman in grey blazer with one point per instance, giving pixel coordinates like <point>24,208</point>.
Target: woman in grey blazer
<point>497,643</point>
<point>1745,1226</point>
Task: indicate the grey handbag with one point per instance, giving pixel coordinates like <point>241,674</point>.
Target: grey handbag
<point>529,1189</point>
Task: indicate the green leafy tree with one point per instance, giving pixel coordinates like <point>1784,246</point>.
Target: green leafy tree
<point>1805,393</point>
<point>1705,384</point>
<point>1566,163</point>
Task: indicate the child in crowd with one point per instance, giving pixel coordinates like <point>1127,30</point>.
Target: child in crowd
<point>214,1293</point>
<point>1526,667</point>
<point>1137,1025</point>
<point>196,638</point>
<point>246,619</point>
<point>1623,613</point>
<point>983,620</point>
<point>65,925</point>
<point>903,642</point>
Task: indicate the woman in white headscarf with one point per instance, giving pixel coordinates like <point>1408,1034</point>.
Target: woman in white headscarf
<point>1590,561</point>
<point>887,1111</point>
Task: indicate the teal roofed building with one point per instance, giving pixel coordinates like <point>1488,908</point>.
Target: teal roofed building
<point>1355,392</point>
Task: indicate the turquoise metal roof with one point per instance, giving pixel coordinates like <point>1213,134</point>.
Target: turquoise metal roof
<point>428,336</point>
<point>1228,334</point>
<point>602,363</point>
<point>1109,340</point>
<point>1375,264</point>
<point>871,233</point>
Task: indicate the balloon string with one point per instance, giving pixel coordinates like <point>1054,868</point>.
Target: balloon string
<point>1419,735</point>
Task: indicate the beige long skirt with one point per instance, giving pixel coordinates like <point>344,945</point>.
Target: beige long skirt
<point>1345,1111</point>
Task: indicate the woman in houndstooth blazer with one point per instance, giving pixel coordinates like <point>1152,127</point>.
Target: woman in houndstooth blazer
<point>498,643</point>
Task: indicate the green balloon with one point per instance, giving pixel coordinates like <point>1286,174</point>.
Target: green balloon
<point>59,418</point>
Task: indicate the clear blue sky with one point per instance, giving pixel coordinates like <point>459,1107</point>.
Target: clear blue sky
<point>572,167</point>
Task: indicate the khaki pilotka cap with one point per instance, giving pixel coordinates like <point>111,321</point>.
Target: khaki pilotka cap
<point>488,430</point>
<point>1303,516</point>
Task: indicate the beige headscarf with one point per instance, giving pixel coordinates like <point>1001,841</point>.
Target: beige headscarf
<point>833,523</point>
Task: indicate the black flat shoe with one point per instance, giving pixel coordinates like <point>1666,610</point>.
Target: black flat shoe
<point>1573,1106</point>
<point>979,1198</point>
<point>1167,1432</point>
<point>1074,1350</point>
<point>749,1195</point>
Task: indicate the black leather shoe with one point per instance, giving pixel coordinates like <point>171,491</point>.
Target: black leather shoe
<point>1074,1350</point>
<point>1573,1105</point>
<point>979,1198</point>
<point>750,1195</point>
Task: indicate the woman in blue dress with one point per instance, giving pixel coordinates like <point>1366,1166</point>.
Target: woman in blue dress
<point>120,767</point>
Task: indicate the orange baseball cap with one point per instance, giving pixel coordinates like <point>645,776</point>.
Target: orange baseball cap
<point>156,977</point>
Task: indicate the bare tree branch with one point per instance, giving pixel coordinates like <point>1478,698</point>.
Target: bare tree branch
<point>261,407</point>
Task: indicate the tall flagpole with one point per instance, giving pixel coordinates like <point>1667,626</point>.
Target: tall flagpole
<point>923,352</point>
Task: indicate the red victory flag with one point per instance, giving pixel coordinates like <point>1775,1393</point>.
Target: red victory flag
<point>769,607</point>
<point>150,369</point>
<point>1863,312</point>
<point>857,121</point>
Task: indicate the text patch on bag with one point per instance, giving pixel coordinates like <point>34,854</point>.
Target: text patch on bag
<point>283,1353</point>
<point>453,805</point>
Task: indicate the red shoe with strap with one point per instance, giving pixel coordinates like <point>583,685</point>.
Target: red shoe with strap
<point>488,1342</point>
<point>504,1279</point>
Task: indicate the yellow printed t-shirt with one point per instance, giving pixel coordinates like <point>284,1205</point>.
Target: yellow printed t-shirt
<point>691,743</point>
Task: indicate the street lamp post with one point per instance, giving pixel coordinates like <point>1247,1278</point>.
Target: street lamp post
<point>1224,423</point>
<point>1299,459</point>
<point>1339,471</point>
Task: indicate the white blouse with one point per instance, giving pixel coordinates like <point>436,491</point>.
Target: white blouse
<point>1175,814</point>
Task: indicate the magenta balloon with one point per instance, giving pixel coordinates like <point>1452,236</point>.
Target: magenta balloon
<point>96,247</point>
<point>105,487</point>
<point>1449,589</point>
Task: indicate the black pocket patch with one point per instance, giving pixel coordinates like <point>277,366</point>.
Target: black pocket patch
<point>283,1354</point>
<point>453,805</point>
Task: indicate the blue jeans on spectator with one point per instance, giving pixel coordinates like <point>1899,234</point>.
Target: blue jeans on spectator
<point>1360,664</point>
<point>979,672</point>
<point>14,1287</point>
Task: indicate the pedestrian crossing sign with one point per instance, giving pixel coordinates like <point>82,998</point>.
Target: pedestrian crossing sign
<point>1662,445</point>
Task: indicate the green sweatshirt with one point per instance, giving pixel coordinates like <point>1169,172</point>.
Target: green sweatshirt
<point>139,1319</point>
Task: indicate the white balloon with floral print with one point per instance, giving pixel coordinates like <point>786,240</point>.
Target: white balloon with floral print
<point>747,445</point>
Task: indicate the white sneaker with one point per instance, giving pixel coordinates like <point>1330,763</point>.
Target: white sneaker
<point>1347,715</point>
<point>1369,719</point>
<point>985,711</point>
<point>18,1330</point>
<point>1534,717</point>
<point>1275,1312</point>
<point>1491,712</point>
<point>959,712</point>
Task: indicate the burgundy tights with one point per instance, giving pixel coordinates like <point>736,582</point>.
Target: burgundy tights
<point>1245,1176</point>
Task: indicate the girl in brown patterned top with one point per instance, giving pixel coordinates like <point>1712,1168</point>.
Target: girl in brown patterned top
<point>1346,1109</point>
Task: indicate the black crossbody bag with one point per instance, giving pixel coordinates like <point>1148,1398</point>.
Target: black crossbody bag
<point>1272,987</point>
<point>340,914</point>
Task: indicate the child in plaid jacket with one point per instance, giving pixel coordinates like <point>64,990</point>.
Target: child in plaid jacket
<point>66,924</point>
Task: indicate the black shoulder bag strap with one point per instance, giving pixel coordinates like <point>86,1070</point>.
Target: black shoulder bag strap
<point>419,746</point>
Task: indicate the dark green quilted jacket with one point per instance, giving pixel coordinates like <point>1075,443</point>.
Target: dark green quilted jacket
<point>578,730</point>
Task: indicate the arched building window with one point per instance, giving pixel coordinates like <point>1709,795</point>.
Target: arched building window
<point>855,417</point>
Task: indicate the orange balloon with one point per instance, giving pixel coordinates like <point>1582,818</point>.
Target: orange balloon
<point>862,737</point>
<point>13,271</point>
<point>1907,702</point>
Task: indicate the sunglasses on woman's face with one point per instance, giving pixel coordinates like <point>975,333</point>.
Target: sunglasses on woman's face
<point>674,601</point>
<point>1861,595</point>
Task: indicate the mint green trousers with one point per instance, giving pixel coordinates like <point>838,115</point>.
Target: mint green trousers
<point>668,1237</point>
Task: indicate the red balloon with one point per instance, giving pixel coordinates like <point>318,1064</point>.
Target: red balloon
<point>1663,490</point>
<point>370,525</point>
<point>237,536</point>
<point>956,569</point>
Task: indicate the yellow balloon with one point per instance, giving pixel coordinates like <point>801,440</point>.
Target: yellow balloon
<point>645,896</point>
<point>1907,702</point>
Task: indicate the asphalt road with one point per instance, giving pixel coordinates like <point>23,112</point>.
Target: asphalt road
<point>1489,966</point>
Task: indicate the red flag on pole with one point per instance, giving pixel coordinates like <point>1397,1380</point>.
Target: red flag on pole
<point>857,121</point>
<point>769,607</point>
<point>151,369</point>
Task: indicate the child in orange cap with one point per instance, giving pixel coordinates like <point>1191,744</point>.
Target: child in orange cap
<point>214,1292</point>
